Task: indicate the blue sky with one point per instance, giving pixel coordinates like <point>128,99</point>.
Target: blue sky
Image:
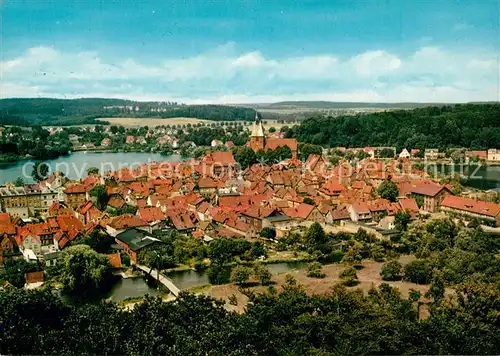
<point>252,51</point>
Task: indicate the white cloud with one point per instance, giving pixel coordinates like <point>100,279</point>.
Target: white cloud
<point>226,75</point>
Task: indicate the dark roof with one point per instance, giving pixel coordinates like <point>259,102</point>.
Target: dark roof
<point>136,239</point>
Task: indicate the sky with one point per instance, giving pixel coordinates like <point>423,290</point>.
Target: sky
<point>252,51</point>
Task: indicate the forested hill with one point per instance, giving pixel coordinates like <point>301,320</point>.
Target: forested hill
<point>345,105</point>
<point>45,111</point>
<point>469,125</point>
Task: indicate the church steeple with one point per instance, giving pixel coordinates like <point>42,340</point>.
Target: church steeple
<point>257,129</point>
<point>257,137</point>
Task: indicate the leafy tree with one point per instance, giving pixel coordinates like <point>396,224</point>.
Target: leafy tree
<point>218,273</point>
<point>436,289</point>
<point>258,250</point>
<point>101,196</point>
<point>418,271</point>
<point>99,241</point>
<point>19,182</point>
<point>84,272</point>
<point>93,170</point>
<point>402,220</point>
<point>272,129</point>
<point>15,270</point>
<point>386,153</point>
<point>309,201</point>
<point>40,171</point>
<point>391,271</point>
<point>245,156</point>
<point>388,190</point>
<point>315,236</point>
<point>262,273</point>
<point>241,274</point>
<point>268,233</point>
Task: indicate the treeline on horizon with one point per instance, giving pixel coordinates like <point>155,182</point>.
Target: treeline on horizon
<point>474,126</point>
<point>66,112</point>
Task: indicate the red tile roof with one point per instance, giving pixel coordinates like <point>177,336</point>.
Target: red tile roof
<point>274,143</point>
<point>472,206</point>
<point>408,204</point>
<point>126,221</point>
<point>69,222</point>
<point>301,211</point>
<point>76,189</point>
<point>151,214</point>
<point>428,189</point>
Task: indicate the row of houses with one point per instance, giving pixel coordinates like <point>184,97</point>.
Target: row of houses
<point>209,199</point>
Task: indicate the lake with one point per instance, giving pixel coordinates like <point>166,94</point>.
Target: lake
<point>75,166</point>
<point>480,177</point>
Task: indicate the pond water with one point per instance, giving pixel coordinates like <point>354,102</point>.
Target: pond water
<point>75,165</point>
<point>480,177</point>
<point>136,287</point>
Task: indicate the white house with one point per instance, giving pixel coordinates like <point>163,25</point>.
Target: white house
<point>494,155</point>
<point>404,154</point>
<point>216,143</point>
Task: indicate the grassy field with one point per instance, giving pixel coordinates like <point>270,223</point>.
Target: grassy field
<point>368,277</point>
<point>151,122</point>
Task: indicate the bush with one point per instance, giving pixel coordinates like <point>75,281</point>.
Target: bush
<point>418,271</point>
<point>314,270</point>
<point>268,233</point>
<point>349,272</point>
<point>125,260</point>
<point>350,282</point>
<point>391,271</point>
<point>233,300</point>
<point>349,277</point>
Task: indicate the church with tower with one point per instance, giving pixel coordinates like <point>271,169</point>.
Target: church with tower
<point>259,141</point>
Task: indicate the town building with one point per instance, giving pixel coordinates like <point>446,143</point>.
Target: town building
<point>27,201</point>
<point>431,154</point>
<point>404,154</point>
<point>134,240</point>
<point>472,209</point>
<point>494,155</point>
<point>429,195</point>
<point>259,142</point>
<point>75,195</point>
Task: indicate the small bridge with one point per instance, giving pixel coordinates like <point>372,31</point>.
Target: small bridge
<point>167,282</point>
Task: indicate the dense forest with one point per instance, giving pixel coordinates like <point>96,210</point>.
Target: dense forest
<point>62,112</point>
<point>285,323</point>
<point>469,125</point>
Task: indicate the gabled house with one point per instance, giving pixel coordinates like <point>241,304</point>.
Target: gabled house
<point>124,222</point>
<point>359,212</point>
<point>429,195</point>
<point>133,240</point>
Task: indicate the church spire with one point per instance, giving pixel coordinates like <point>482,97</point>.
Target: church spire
<point>257,130</point>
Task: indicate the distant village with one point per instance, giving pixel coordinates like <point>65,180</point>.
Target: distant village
<point>212,197</point>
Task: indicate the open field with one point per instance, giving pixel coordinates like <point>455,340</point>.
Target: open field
<point>151,122</point>
<point>368,277</point>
